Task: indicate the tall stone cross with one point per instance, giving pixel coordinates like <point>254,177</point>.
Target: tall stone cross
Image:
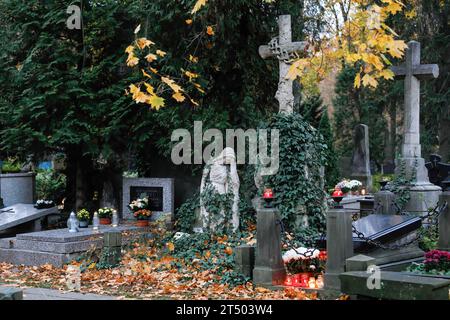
<point>284,50</point>
<point>413,72</point>
<point>423,194</point>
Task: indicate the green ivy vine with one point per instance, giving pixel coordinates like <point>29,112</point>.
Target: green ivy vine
<point>298,183</point>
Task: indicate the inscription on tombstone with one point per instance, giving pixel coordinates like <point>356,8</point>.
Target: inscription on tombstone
<point>154,194</point>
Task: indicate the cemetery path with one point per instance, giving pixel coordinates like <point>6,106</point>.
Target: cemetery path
<point>49,294</point>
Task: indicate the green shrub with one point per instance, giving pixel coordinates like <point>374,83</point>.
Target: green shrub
<point>50,185</point>
<point>11,166</point>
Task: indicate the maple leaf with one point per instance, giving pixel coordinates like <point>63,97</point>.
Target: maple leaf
<point>178,96</point>
<point>156,102</point>
<point>151,57</point>
<point>369,80</point>
<point>132,60</point>
<point>161,53</point>
<point>198,5</point>
<point>175,87</point>
<point>143,43</point>
<point>149,88</point>
<point>129,49</point>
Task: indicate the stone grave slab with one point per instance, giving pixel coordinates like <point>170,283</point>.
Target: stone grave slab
<point>389,230</point>
<point>18,214</point>
<point>59,247</point>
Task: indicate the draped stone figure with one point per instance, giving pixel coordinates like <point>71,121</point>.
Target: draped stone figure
<point>221,173</point>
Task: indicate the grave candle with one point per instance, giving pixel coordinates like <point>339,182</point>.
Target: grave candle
<point>268,197</point>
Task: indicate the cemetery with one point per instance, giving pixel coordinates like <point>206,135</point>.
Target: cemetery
<point>109,191</point>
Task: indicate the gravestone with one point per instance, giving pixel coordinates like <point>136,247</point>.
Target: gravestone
<point>423,194</point>
<point>438,171</point>
<point>160,192</point>
<point>284,50</point>
<point>58,247</point>
<point>360,165</point>
<point>269,267</point>
<point>17,188</point>
<point>20,214</point>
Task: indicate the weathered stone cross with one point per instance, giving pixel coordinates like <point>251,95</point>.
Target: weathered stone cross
<point>413,72</point>
<point>284,50</point>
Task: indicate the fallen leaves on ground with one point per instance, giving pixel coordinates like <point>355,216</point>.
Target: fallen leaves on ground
<point>153,277</point>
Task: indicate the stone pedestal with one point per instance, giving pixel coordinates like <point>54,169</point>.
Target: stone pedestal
<point>339,245</point>
<point>384,199</point>
<point>112,248</point>
<point>444,222</point>
<point>269,266</point>
<point>245,260</point>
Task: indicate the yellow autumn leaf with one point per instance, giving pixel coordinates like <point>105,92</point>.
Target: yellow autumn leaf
<point>156,102</point>
<point>198,5</point>
<point>141,97</point>
<point>199,87</point>
<point>129,49</point>
<point>133,89</point>
<point>132,60</point>
<point>368,80</point>
<point>175,87</point>
<point>396,48</point>
<point>153,70</point>
<point>145,74</point>
<point>387,74</point>
<point>193,59</point>
<point>161,53</point>
<point>190,75</point>
<point>149,88</point>
<point>178,96</point>
<point>357,82</point>
<point>170,246</point>
<point>151,57</point>
<point>189,21</point>
<point>143,43</point>
<point>195,103</point>
<point>210,30</point>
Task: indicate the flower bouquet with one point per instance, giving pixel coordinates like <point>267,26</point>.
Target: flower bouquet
<point>105,215</point>
<point>140,209</point>
<point>44,204</point>
<point>83,217</point>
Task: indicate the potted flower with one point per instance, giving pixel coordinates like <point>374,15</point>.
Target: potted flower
<point>141,212</point>
<point>344,186</point>
<point>83,217</point>
<point>355,185</point>
<point>105,214</point>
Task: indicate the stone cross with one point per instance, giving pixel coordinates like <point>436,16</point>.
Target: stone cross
<point>423,193</point>
<point>413,72</point>
<point>284,50</point>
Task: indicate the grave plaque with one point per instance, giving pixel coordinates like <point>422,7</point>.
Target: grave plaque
<point>160,192</point>
<point>154,195</point>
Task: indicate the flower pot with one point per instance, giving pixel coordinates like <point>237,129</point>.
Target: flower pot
<point>105,221</point>
<point>84,224</point>
<point>142,223</point>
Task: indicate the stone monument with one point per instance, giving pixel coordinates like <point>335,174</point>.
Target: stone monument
<point>423,194</point>
<point>221,174</point>
<point>360,166</point>
<point>285,51</point>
